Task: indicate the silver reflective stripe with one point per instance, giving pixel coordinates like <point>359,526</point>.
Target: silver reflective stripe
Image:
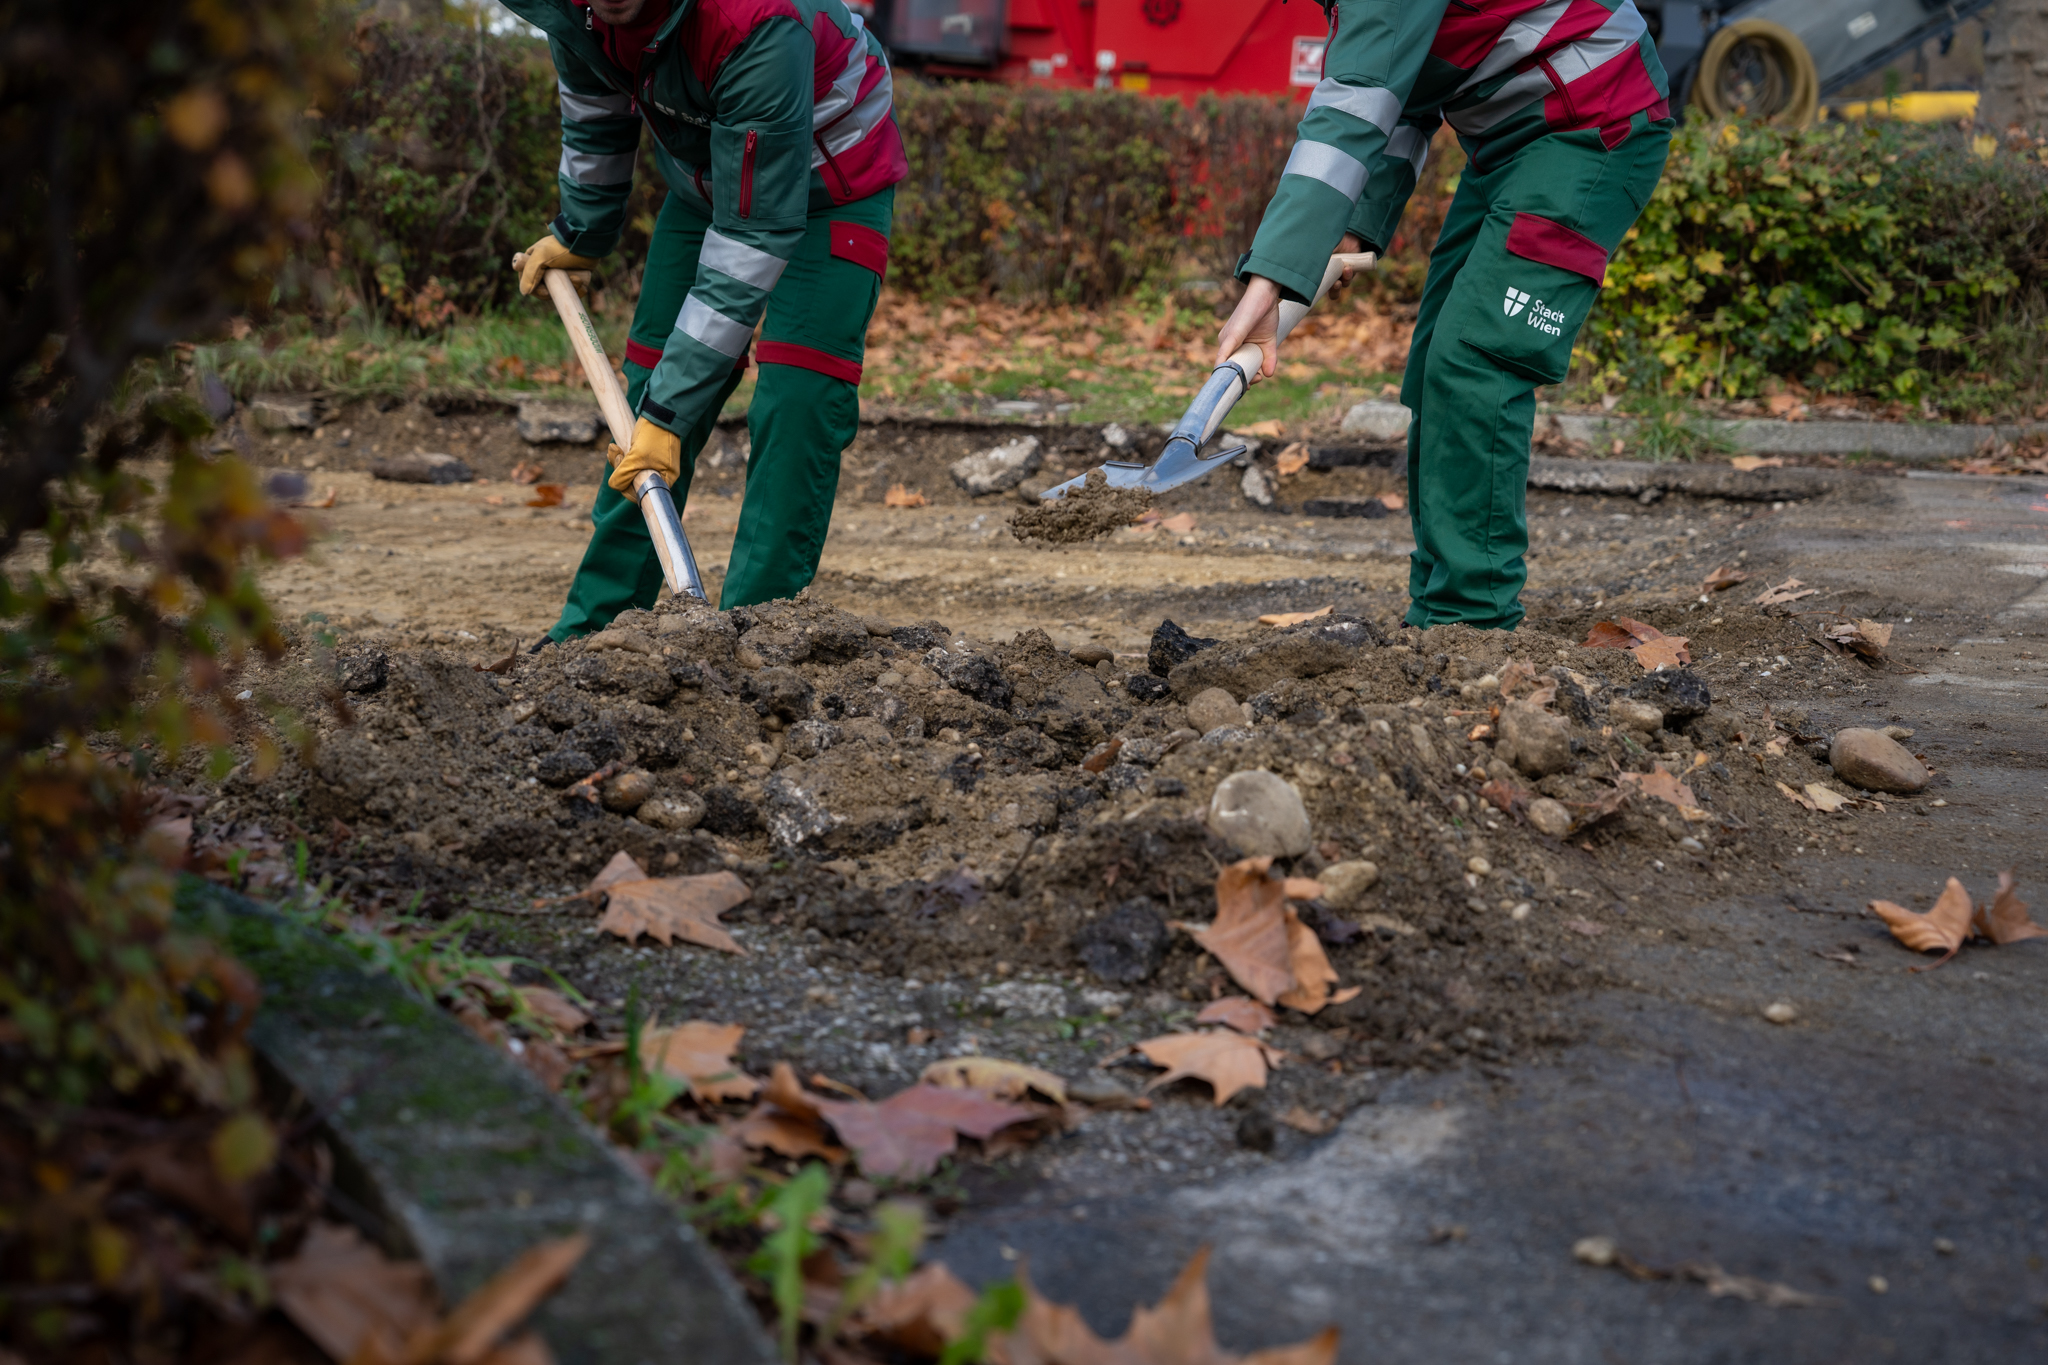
<point>1532,84</point>
<point>1408,143</point>
<point>845,87</point>
<point>592,168</point>
<point>1622,31</point>
<point>1376,106</point>
<point>1519,41</point>
<point>699,320</point>
<point>864,119</point>
<point>736,260</point>
<point>1341,171</point>
<point>590,108</point>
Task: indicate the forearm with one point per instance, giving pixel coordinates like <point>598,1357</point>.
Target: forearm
<point>600,139</point>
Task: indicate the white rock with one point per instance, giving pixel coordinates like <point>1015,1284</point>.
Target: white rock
<point>1345,884</point>
<point>1549,817</point>
<point>284,412</point>
<point>543,422</point>
<point>1115,437</point>
<point>1630,713</point>
<point>1377,421</point>
<point>1260,814</point>
<point>999,469</point>
<point>1214,708</point>
<point>1257,488</point>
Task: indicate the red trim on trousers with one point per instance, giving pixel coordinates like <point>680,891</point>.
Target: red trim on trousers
<point>808,358</point>
<point>647,357</point>
<point>862,245</point>
<point>1539,239</point>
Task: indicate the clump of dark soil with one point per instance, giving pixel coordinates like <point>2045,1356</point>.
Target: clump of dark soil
<point>1086,513</point>
<point>906,801</point>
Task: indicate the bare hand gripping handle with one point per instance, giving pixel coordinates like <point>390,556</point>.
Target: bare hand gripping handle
<point>657,504</point>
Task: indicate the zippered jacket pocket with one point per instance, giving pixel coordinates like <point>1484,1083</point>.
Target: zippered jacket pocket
<point>769,170</point>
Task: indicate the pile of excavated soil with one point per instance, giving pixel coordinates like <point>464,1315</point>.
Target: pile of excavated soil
<point>1086,513</point>
<point>910,802</point>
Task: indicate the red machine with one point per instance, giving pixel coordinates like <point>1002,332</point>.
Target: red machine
<point>1164,47</point>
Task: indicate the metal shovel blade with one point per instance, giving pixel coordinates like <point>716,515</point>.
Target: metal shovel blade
<point>1179,463</point>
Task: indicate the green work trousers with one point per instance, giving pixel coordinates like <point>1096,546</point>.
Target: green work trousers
<point>1515,270</point>
<point>805,412</point>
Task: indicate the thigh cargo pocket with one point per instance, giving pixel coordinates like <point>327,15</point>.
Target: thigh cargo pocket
<point>1551,275</point>
<point>861,245</point>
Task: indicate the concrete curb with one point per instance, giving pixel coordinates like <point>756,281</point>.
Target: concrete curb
<point>467,1161</point>
<point>1633,478</point>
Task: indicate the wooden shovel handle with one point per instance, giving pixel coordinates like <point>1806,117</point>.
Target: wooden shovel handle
<point>583,338</point>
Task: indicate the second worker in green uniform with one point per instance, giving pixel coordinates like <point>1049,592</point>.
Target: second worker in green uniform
<point>773,127</point>
<point>1560,108</point>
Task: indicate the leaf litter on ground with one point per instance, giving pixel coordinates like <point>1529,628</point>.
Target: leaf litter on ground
<point>671,908</point>
<point>1649,646</point>
<point>901,1138</point>
<point>1262,943</point>
<point>1229,1061</point>
<point>1953,921</point>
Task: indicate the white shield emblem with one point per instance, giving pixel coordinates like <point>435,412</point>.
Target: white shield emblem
<point>1515,302</point>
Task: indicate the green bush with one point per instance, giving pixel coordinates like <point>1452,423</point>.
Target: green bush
<point>1867,258</point>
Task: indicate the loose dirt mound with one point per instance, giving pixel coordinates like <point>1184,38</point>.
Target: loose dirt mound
<point>925,804</point>
<point>1086,513</point>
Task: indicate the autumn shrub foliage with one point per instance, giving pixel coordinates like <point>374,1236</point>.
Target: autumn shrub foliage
<point>1872,258</point>
<point>152,186</point>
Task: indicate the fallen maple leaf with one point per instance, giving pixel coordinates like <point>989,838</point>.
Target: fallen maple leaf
<point>1666,651</point>
<point>1660,783</point>
<point>1722,577</point>
<point>2005,920</point>
<point>1313,974</point>
<point>1292,460</point>
<point>1747,463</point>
<point>1293,618</point>
<point>996,1078</point>
<point>900,496</point>
<point>481,1320</point>
<point>1942,929</point>
<point>341,1291</point>
<point>1797,797</point>
<point>1272,429</point>
<point>528,472</point>
<point>700,1053</point>
<point>670,908</point>
<point>1228,1061</point>
<point>1825,799</point>
<point>547,495</point>
<point>905,1136</point>
<point>623,867</point>
<point>1607,635</point>
<point>1239,1012</point>
<point>1175,1331</point>
<point>1791,590</point>
<point>1250,935</point>
<point>921,1314</point>
<point>553,1008</point>
<point>788,1120</point>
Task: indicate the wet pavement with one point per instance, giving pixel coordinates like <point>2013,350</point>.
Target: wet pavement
<point>1883,1152</point>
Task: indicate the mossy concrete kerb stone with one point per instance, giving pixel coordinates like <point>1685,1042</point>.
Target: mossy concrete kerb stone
<point>466,1161</point>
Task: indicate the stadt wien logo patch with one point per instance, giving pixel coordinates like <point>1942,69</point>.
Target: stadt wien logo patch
<point>1515,302</point>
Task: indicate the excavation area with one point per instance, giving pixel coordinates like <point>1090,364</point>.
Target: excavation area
<point>1553,945</point>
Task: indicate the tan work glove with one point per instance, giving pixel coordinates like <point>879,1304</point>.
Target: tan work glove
<point>548,254</point>
<point>653,448</point>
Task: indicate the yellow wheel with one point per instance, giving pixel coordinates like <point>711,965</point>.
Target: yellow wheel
<point>1759,69</point>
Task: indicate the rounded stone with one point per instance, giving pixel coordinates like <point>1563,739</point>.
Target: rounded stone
<point>627,791</point>
<point>1260,814</point>
<point>1629,713</point>
<point>1874,761</point>
<point>1548,817</point>
<point>1534,740</point>
<point>677,811</point>
<point>1090,655</point>
<point>1345,884</point>
<point>1781,1012</point>
<point>1213,709</point>
<point>1478,866</point>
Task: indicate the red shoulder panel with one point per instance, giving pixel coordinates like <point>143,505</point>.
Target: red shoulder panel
<point>714,29</point>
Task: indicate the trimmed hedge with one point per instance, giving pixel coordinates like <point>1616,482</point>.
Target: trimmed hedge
<point>1863,258</point>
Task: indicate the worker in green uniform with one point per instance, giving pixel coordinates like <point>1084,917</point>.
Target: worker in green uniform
<point>773,127</point>
<point>1560,106</point>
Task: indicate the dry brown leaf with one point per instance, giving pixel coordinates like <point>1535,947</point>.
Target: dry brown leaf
<point>553,1007</point>
<point>996,1078</point>
<point>701,1053</point>
<point>547,495</point>
<point>671,908</point>
<point>1239,1012</point>
<point>482,1319</point>
<point>1313,974</point>
<point>1175,1331</point>
<point>1792,795</point>
<point>1660,783</point>
<point>622,868</point>
<point>1293,618</point>
<point>340,1291</point>
<point>1504,796</point>
<point>1272,429</point>
<point>528,471</point>
<point>1393,502</point>
<point>1179,524</point>
<point>1942,929</point>
<point>1666,651</point>
<point>1300,1119</point>
<point>1228,1061</point>
<point>2005,920</point>
<point>901,496</point>
<point>1292,460</point>
<point>904,1137</point>
<point>1791,590</point>
<point>1249,934</point>
<point>1722,577</point>
<point>1607,635</point>
<point>1747,463</point>
<point>1866,637</point>
<point>1825,799</point>
<point>921,1314</point>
